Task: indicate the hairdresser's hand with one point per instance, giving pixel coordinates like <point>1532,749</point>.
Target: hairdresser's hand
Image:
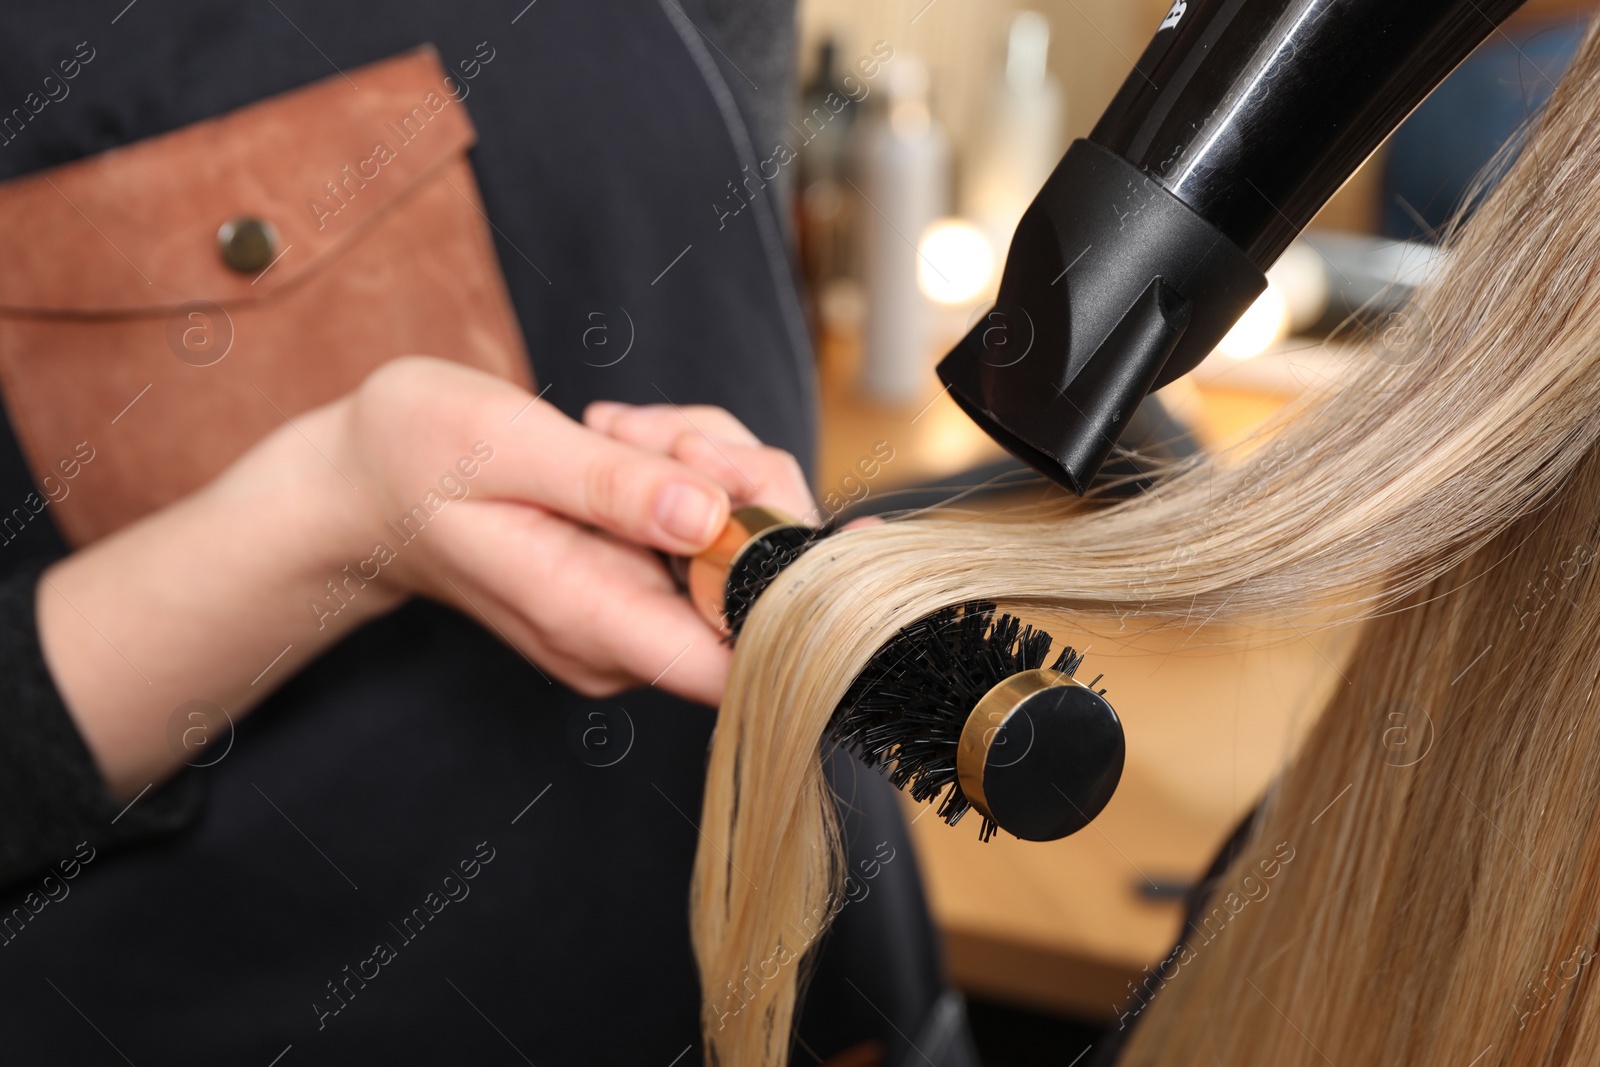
<point>543,527</point>
<point>429,479</point>
<point>713,441</point>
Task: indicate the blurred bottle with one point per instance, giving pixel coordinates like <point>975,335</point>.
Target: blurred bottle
<point>827,116</point>
<point>905,160</point>
<point>1021,141</point>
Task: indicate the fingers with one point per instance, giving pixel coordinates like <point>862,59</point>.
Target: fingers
<point>599,615</point>
<point>638,494</point>
<point>656,426</point>
<point>414,410</point>
<point>541,538</point>
<point>749,474</point>
<point>713,441</point>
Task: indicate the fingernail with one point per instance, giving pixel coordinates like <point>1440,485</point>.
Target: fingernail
<point>688,511</point>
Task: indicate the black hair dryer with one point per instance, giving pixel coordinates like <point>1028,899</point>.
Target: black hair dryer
<point>1150,239</point>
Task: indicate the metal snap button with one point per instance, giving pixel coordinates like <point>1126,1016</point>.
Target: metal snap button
<point>247,244</point>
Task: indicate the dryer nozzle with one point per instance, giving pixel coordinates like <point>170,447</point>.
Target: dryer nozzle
<point>1236,126</point>
<point>1112,288</point>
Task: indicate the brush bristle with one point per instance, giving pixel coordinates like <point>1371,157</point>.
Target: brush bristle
<point>906,709</point>
<point>759,565</point>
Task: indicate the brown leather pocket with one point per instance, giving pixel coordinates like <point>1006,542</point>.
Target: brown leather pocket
<point>123,328</point>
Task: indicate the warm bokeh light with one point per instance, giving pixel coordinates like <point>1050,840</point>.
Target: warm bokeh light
<point>955,262</point>
<point>1262,326</point>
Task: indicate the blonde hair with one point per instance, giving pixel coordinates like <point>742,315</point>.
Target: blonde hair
<point>1435,910</point>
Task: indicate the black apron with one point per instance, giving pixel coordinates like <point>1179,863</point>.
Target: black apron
<point>320,909</point>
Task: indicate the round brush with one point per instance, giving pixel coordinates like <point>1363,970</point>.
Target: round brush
<point>959,702</point>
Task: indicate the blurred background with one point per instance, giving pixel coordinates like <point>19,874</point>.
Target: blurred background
<point>923,131</point>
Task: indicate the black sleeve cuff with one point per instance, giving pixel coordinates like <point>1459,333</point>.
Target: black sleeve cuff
<point>52,798</point>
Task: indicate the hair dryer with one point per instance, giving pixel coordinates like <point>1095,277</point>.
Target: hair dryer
<point>1150,239</point>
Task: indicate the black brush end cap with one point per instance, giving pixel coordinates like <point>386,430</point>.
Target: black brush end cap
<point>1053,763</point>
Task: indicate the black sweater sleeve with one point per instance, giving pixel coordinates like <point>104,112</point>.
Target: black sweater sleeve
<point>52,797</point>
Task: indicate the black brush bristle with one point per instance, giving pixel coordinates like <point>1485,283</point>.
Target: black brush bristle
<point>759,565</point>
<point>908,705</point>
